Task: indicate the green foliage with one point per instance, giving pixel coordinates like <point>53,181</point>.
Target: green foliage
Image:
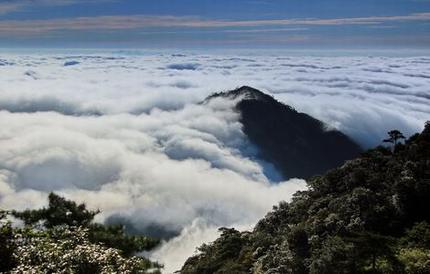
<point>64,249</point>
<point>63,239</point>
<point>334,256</point>
<point>64,212</point>
<point>115,236</point>
<point>226,255</point>
<point>415,260</point>
<point>394,137</point>
<point>368,216</point>
<point>374,253</point>
<point>7,245</point>
<point>59,212</point>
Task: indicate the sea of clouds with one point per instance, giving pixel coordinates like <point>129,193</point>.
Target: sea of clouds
<point>126,132</point>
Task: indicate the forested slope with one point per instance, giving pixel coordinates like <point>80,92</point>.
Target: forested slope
<point>370,215</point>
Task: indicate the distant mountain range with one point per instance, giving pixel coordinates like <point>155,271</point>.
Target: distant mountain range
<point>298,145</point>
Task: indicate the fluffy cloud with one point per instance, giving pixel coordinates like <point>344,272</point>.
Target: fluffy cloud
<point>388,91</point>
<point>127,133</point>
<point>161,170</point>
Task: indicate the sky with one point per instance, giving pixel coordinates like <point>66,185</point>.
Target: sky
<point>294,24</point>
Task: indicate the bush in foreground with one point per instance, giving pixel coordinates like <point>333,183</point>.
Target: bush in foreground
<point>62,238</point>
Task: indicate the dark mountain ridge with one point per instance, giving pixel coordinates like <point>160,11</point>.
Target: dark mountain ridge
<point>298,145</point>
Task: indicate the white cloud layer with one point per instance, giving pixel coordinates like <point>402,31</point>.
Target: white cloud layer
<point>125,133</point>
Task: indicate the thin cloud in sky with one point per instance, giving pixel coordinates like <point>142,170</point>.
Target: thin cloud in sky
<point>7,7</point>
<point>144,21</point>
<point>208,23</point>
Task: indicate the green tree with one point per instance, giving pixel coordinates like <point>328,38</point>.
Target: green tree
<point>7,245</point>
<point>62,212</point>
<point>334,256</point>
<point>375,253</point>
<point>115,236</point>
<point>59,212</point>
<point>394,137</point>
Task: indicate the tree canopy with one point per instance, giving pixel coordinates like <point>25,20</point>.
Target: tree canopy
<point>394,137</point>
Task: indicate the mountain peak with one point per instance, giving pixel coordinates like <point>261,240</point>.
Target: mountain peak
<point>244,92</point>
<point>297,144</point>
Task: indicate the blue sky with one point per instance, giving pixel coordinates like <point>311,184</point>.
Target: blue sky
<point>215,23</point>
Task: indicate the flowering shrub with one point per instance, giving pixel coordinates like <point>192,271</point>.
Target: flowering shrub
<point>67,250</point>
<point>69,243</point>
